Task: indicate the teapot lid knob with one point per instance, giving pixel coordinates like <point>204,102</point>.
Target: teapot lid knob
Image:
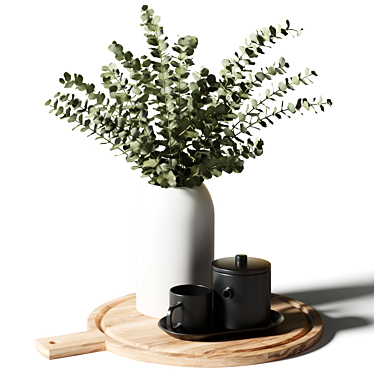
<point>241,259</point>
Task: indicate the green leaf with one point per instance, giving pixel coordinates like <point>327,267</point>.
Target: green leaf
<point>196,77</point>
<point>123,96</point>
<point>47,102</point>
<point>211,79</point>
<point>72,118</point>
<point>253,38</point>
<point>267,93</point>
<point>78,80</point>
<point>258,152</point>
<point>150,163</point>
<point>254,103</point>
<point>272,30</point>
<point>204,72</point>
<point>221,92</point>
<point>231,115</point>
<point>260,76</point>
<point>90,88</point>
<point>306,105</point>
<point>306,72</point>
<point>243,129</point>
<point>144,98</point>
<point>217,173</point>
<point>291,108</point>
<point>193,86</point>
<point>117,49</point>
<point>282,62</point>
<point>191,134</point>
<point>136,76</point>
<point>136,90</point>
<point>225,62</point>
<point>60,111</point>
<point>295,80</point>
<point>282,86</point>
<point>69,84</point>
<point>100,98</point>
<point>156,19</point>
<point>237,75</point>
<point>151,40</point>
<point>67,77</point>
<point>180,70</point>
<point>228,132</point>
<point>112,66</point>
<point>272,70</point>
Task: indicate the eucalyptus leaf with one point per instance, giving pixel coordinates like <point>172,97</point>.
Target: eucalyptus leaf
<point>254,103</point>
<point>150,163</point>
<point>136,90</point>
<point>260,76</point>
<point>225,62</point>
<point>291,108</point>
<point>282,86</point>
<point>295,80</point>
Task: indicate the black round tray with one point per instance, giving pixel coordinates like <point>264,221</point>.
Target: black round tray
<point>276,319</point>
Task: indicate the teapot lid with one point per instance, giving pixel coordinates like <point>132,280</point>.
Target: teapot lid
<point>241,265</point>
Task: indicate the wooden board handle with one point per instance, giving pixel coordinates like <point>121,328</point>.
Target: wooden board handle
<point>72,344</point>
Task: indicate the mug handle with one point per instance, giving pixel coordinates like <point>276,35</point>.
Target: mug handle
<point>169,323</point>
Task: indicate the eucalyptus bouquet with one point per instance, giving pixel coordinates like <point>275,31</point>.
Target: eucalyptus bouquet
<point>179,133</point>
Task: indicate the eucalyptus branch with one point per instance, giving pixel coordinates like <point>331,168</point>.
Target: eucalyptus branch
<point>289,84</point>
<point>197,121</point>
<point>93,131</point>
<point>302,103</point>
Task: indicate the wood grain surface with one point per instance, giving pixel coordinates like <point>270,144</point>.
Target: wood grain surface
<point>119,328</point>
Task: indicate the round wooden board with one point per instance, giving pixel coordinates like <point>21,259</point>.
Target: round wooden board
<point>119,328</point>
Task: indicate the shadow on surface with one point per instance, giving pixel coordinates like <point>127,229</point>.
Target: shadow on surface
<point>331,326</point>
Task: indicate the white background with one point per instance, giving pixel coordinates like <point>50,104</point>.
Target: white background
<point>68,206</point>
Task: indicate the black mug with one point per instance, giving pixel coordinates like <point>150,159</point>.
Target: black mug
<point>191,306</point>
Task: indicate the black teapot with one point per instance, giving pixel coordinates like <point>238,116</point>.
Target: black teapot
<point>241,292</point>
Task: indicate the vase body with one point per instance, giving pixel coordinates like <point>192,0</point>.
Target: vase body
<point>175,243</point>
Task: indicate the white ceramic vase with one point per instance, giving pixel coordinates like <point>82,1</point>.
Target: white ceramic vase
<point>175,243</point>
